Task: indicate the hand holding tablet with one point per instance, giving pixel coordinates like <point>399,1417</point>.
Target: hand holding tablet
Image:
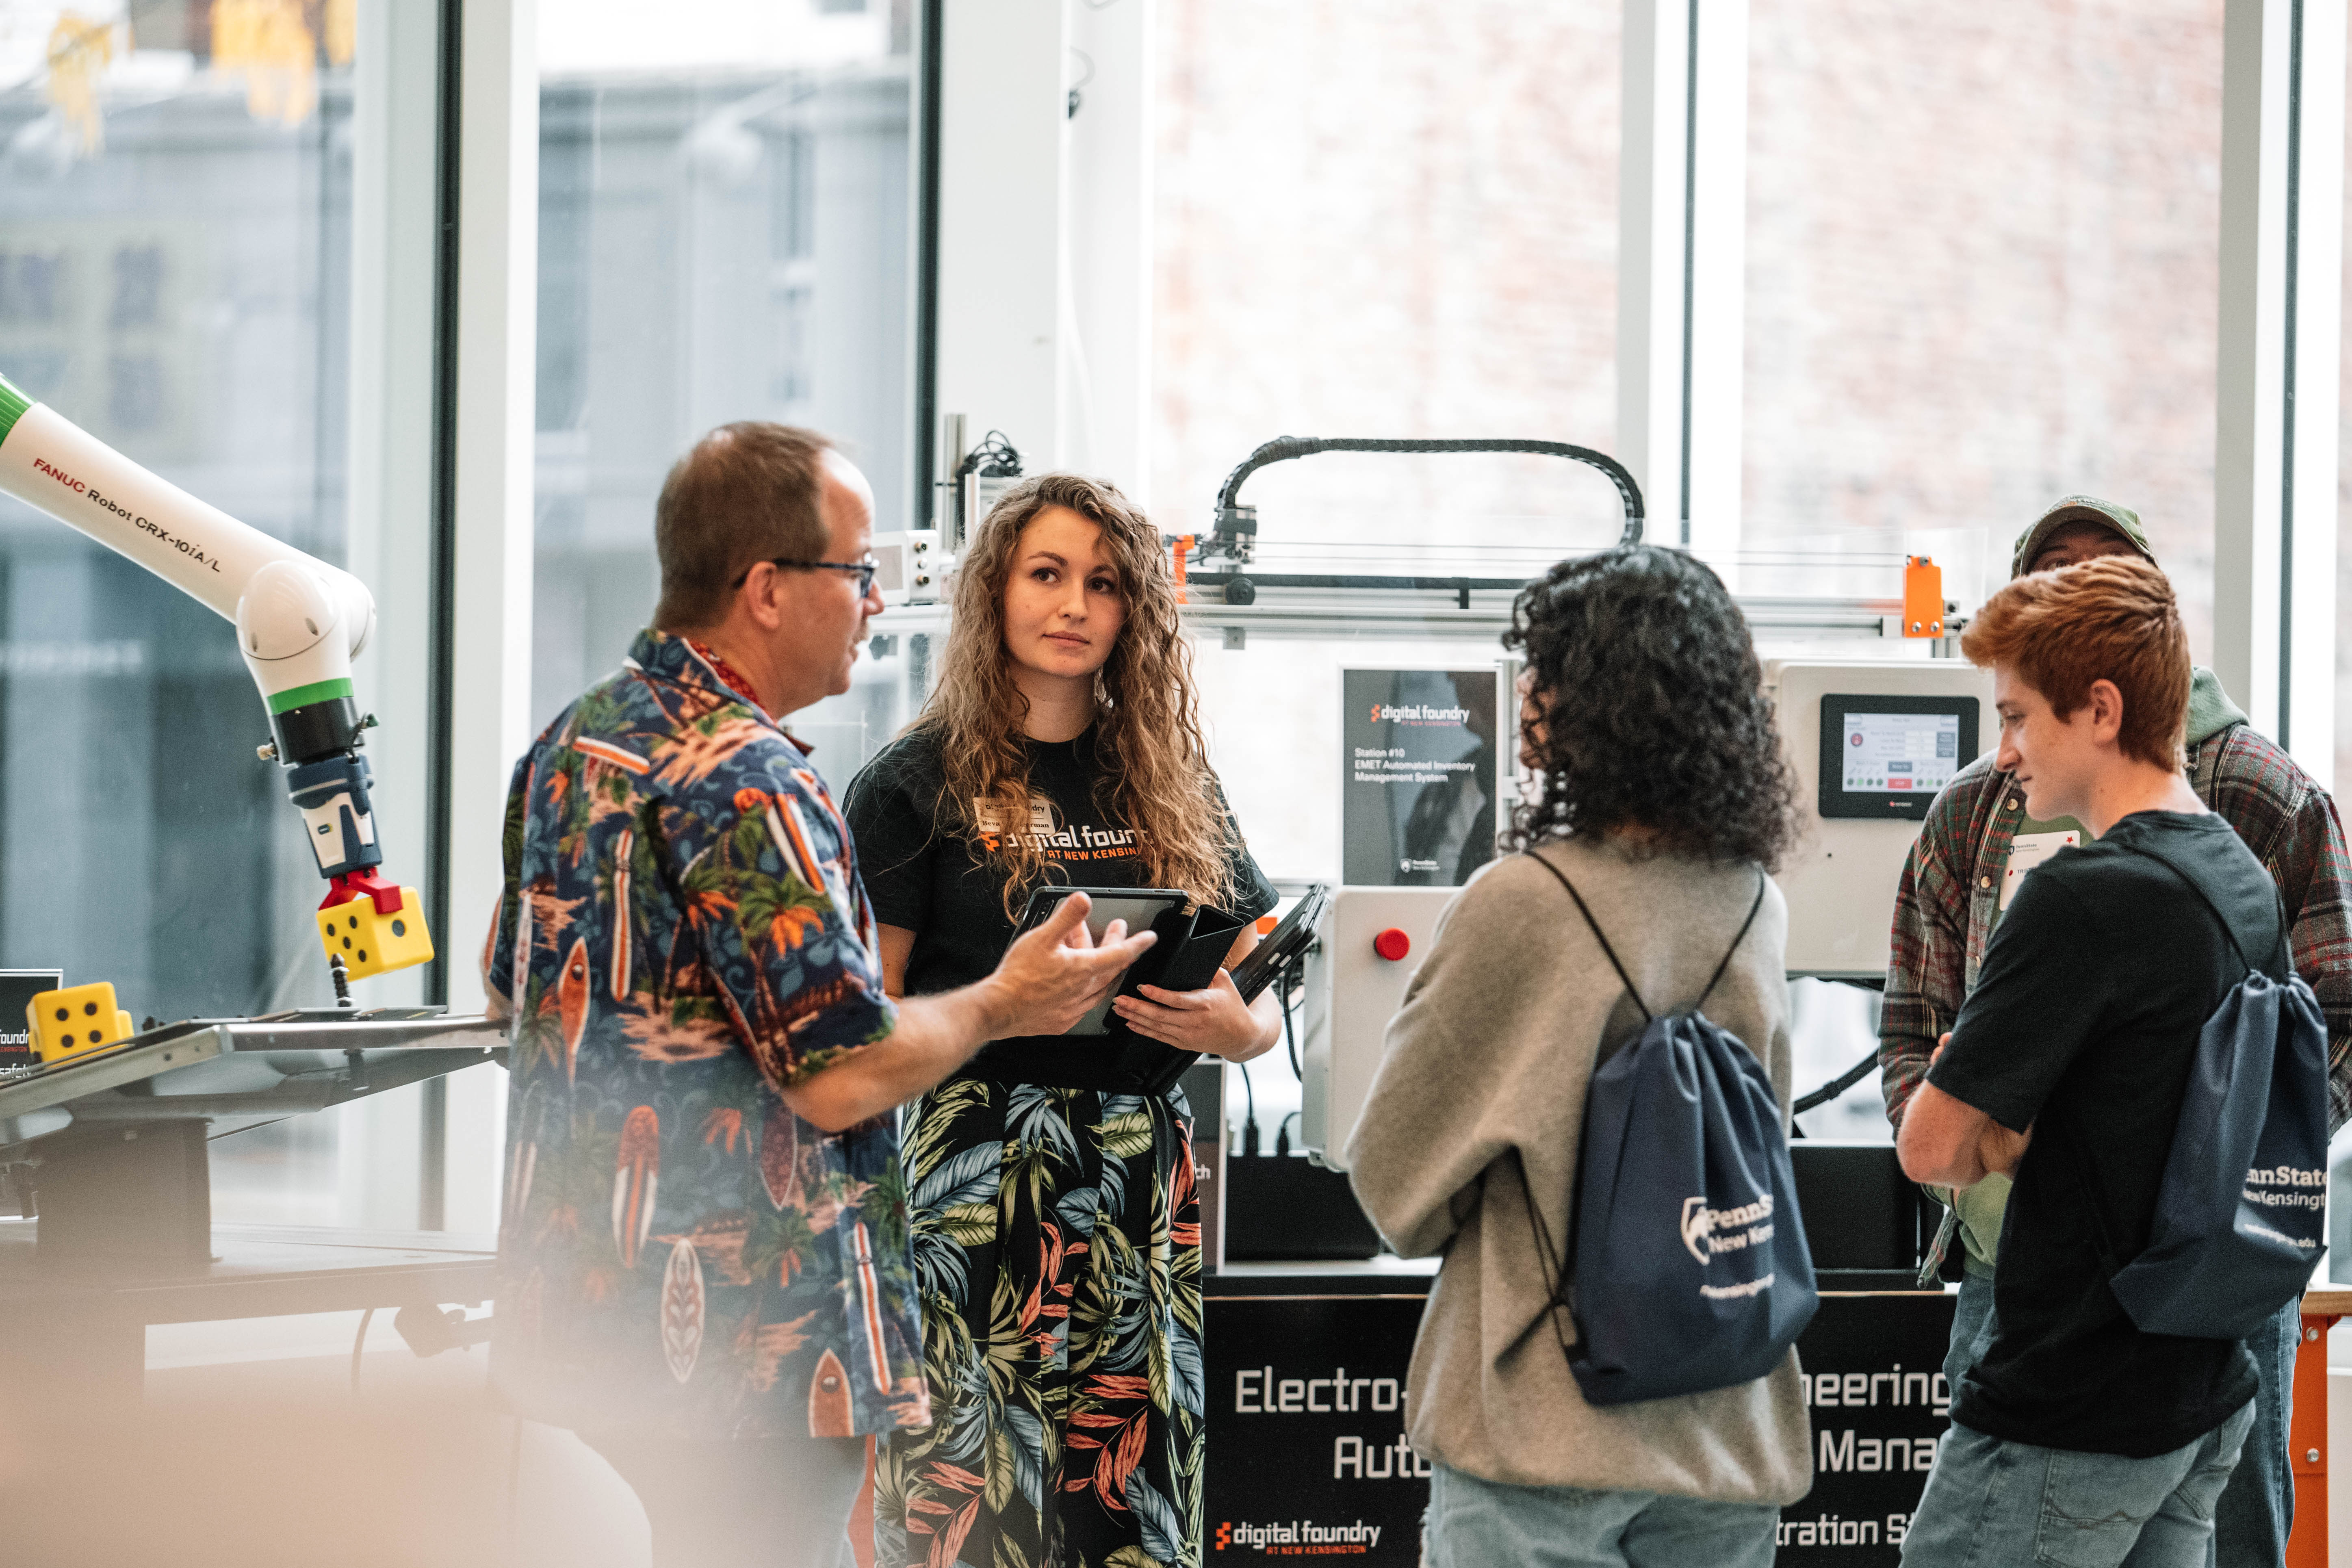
<point>1063,968</point>
<point>1144,911</point>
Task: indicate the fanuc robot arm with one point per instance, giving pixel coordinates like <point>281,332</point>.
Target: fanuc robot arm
<point>298,623</point>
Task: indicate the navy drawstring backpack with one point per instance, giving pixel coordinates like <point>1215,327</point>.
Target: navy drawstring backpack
<point>1686,1267</point>
<point>2241,1214</point>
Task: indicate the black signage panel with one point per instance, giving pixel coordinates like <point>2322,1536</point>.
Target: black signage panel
<point>18,987</point>
<point>1874,1388</point>
<point>1420,776</point>
<point>1307,1455</point>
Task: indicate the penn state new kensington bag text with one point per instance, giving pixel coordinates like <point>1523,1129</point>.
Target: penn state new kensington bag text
<point>1686,1267</point>
<point>2240,1216</point>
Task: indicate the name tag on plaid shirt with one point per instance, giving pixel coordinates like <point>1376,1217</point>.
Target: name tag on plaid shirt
<point>2028,850</point>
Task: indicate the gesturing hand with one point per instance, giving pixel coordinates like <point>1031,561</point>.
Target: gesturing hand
<point>1214,1020</point>
<point>1050,976</point>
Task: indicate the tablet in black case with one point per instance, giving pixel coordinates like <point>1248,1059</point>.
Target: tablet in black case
<point>1100,1051</point>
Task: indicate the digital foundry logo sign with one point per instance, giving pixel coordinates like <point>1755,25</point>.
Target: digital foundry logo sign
<point>1299,1538</point>
<point>1417,713</point>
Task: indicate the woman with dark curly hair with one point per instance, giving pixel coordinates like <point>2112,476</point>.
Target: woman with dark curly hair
<point>1664,803</point>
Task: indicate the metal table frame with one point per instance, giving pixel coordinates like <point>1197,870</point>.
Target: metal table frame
<point>110,1147</point>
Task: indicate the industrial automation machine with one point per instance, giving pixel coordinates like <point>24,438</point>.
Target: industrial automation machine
<point>1875,715</point>
<point>111,1135</point>
<point>1869,742</point>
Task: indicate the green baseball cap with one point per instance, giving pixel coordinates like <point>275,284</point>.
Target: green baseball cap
<point>2120,521</point>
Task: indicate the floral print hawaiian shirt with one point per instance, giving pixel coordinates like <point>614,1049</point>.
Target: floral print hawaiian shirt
<point>683,933</point>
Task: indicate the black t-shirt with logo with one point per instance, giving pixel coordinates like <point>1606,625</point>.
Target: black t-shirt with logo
<point>923,872</point>
<point>2084,1025</point>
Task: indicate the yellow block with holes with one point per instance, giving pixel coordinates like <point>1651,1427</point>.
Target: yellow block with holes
<point>370,944</point>
<point>75,1020</point>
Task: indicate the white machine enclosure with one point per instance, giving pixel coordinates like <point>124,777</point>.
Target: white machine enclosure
<point>1840,880</point>
<point>1352,993</point>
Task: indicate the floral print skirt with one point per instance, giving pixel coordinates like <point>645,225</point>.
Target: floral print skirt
<point>1057,1252</point>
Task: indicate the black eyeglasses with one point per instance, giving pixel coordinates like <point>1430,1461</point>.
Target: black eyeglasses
<point>865,570</point>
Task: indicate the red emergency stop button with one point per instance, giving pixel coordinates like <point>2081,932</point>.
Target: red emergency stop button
<point>1393,944</point>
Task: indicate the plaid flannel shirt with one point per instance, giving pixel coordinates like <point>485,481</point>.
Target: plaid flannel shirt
<point>1951,889</point>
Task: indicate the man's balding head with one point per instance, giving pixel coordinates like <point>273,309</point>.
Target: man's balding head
<point>745,493</point>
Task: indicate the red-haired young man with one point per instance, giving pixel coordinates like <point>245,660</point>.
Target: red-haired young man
<point>1971,857</point>
<point>2065,1069</point>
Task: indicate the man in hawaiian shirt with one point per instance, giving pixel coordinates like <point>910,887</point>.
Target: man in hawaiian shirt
<point>703,1253</point>
<point>1978,843</point>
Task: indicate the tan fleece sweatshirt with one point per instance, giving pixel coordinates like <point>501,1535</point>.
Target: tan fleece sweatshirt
<point>1499,1037</point>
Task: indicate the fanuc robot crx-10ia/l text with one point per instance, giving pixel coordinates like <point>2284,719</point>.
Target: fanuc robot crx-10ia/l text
<point>298,623</point>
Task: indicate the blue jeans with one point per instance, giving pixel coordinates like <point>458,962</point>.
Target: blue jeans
<point>2257,1508</point>
<point>1972,1327</point>
<point>1475,1523</point>
<point>1995,1504</point>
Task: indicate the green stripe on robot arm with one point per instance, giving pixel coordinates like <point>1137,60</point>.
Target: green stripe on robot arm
<point>303,696</point>
<point>13,405</point>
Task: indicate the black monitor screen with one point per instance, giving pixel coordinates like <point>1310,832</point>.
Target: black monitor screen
<point>1887,756</point>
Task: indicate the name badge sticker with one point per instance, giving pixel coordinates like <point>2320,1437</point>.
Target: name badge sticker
<point>2028,850</point>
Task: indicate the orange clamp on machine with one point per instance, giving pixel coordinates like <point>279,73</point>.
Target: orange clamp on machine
<point>1923,597</point>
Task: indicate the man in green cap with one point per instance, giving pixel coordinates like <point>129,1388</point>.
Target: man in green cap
<point>1978,843</point>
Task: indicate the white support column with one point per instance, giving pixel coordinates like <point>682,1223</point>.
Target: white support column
<point>1106,328</point>
<point>1652,201</point>
<point>1681,217</point>
<point>497,255</point>
<point>1004,74</point>
<point>1719,285</point>
<point>2275,437</point>
<point>396,66</point>
<point>2250,383</point>
<point>489,653</point>
<point>2319,340</point>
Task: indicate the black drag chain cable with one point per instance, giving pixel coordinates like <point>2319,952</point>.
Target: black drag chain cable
<point>1282,448</point>
<point>1836,1085</point>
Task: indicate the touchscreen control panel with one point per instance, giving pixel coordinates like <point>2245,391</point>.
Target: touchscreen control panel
<point>1886,755</point>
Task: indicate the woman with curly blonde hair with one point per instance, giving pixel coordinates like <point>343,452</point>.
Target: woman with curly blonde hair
<point>1055,1225</point>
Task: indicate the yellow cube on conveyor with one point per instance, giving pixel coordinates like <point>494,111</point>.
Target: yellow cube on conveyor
<point>74,1020</point>
<point>372,943</point>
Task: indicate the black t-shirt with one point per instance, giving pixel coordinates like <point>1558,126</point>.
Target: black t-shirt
<point>2083,1024</point>
<point>923,873</point>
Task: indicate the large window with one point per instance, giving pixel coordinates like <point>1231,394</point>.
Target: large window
<point>175,277</point>
<point>724,234</point>
<point>2343,505</point>
<point>1982,269</point>
<point>1405,225</point>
